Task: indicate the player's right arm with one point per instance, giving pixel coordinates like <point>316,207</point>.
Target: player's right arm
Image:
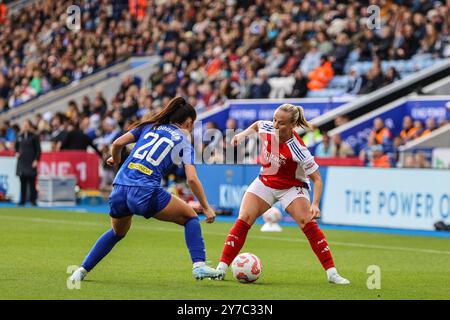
<point>196,186</point>
<point>117,147</point>
<point>247,132</point>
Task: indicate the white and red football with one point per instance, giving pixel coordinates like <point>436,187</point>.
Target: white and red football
<point>246,268</point>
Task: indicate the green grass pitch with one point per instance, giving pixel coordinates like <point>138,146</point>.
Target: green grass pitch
<point>152,262</point>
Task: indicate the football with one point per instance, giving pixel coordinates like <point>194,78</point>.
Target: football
<point>246,268</point>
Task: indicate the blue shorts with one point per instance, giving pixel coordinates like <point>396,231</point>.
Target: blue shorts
<point>142,201</point>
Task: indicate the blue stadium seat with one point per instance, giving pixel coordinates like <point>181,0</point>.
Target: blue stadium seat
<point>338,82</point>
<point>325,93</point>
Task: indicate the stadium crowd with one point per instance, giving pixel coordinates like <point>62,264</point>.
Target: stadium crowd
<point>95,123</point>
<point>216,50</point>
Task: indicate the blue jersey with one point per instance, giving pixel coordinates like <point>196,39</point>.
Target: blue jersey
<point>156,150</point>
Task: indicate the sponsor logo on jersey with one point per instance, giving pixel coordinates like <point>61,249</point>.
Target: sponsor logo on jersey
<point>276,160</point>
<point>310,165</point>
<point>140,167</point>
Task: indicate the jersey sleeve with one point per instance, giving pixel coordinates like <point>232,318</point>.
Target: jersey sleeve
<point>136,132</point>
<point>265,126</point>
<point>310,165</point>
<point>305,158</point>
<point>187,153</point>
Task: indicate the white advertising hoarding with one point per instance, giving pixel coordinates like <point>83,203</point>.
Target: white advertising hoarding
<point>392,198</point>
<point>8,179</point>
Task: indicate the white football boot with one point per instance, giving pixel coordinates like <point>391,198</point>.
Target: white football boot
<point>79,274</point>
<point>334,277</point>
<point>202,272</point>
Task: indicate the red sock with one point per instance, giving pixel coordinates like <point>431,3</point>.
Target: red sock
<point>235,241</point>
<point>319,244</point>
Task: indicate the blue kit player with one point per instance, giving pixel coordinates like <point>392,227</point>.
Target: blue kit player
<point>160,142</point>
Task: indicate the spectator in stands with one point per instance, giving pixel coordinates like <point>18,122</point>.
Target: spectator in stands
<point>368,45</point>
<point>292,63</point>
<point>340,149</point>
<point>311,60</point>
<point>110,132</point>
<point>322,75</point>
<point>261,87</point>
<point>409,161</point>
<point>76,139</point>
<point>379,159</point>
<point>386,37</point>
<point>325,148</point>
<point>3,105</point>
<point>3,12</point>
<point>380,134</point>
<point>137,8</point>
<point>355,82</point>
<point>4,91</point>
<point>274,61</point>
<point>341,53</point>
<point>324,45</point>
<point>28,153</point>
<point>58,131</point>
<point>421,161</point>
<point>373,80</point>
<point>408,43</point>
<point>391,76</point>
<point>430,126</point>
<point>300,88</point>
<point>86,106</point>
<point>408,131</point>
<point>418,129</point>
<point>430,44</point>
<point>396,150</point>
<point>340,120</point>
<point>8,135</point>
<point>42,126</point>
<point>73,113</point>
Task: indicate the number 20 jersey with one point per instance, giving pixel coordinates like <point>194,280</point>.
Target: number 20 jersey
<point>156,150</point>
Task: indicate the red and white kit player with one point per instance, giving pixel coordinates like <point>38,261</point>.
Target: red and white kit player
<point>287,167</point>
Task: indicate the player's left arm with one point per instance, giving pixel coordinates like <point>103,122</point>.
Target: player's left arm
<point>316,178</point>
<point>117,147</point>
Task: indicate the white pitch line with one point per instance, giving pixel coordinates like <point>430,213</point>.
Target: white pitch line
<point>150,228</point>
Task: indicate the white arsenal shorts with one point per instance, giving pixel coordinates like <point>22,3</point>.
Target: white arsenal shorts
<point>271,195</point>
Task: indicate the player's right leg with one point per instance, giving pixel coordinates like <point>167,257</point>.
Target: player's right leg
<point>181,213</point>
<point>252,207</point>
<point>121,223</point>
<point>103,246</point>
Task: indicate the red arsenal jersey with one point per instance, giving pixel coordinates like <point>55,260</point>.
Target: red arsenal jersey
<point>284,165</point>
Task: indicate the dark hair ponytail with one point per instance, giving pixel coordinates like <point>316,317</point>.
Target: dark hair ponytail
<point>176,111</point>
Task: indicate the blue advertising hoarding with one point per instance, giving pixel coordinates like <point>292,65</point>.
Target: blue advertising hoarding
<point>248,112</point>
<point>418,109</point>
<point>366,200</point>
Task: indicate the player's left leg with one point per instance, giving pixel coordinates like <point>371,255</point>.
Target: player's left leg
<point>103,246</point>
<point>179,212</point>
<point>299,209</point>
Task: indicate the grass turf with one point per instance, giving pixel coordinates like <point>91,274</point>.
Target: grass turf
<point>152,262</point>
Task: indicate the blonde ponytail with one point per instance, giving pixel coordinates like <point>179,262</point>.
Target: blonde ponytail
<point>298,115</point>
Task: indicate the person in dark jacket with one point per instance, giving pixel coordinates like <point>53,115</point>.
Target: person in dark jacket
<point>76,139</point>
<point>28,153</point>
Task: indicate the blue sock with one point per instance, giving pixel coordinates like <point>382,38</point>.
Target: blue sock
<point>194,240</point>
<point>100,249</point>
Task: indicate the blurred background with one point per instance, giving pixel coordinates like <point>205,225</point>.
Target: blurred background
<point>375,83</point>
